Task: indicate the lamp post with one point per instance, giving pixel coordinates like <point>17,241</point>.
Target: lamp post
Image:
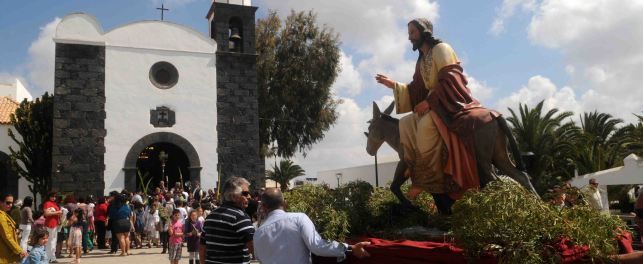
<point>163,158</point>
<point>377,181</point>
<point>338,175</point>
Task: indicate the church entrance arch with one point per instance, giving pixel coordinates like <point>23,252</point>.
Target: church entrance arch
<point>182,161</point>
<point>8,177</point>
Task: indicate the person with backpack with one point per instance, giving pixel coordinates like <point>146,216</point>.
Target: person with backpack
<point>138,224</point>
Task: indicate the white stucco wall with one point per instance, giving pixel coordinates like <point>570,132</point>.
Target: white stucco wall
<point>16,91</point>
<point>22,92</point>
<point>130,96</point>
<point>130,51</point>
<point>5,143</point>
<point>5,140</point>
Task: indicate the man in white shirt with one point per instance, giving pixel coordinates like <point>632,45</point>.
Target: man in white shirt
<point>593,195</point>
<point>291,237</point>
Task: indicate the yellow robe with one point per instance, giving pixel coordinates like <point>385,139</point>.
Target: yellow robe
<point>421,142</point>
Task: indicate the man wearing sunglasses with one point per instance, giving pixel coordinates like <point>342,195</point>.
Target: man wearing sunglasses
<point>10,250</point>
<point>228,230</point>
<point>593,194</point>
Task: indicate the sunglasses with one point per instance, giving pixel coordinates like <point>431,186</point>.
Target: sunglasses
<point>246,194</point>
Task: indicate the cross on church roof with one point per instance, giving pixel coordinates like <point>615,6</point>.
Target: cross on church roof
<point>162,8</point>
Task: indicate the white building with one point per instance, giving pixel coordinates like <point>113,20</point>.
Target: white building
<point>160,94</point>
<point>10,95</point>
<point>385,173</point>
<point>15,90</point>
<point>631,173</point>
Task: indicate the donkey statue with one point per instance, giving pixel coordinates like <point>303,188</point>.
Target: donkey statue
<point>490,149</point>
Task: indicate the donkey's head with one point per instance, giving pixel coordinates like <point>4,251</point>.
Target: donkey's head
<point>376,130</point>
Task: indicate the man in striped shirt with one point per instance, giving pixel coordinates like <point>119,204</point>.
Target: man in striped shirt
<point>228,230</point>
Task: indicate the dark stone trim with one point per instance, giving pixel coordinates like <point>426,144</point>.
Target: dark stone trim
<point>129,167</point>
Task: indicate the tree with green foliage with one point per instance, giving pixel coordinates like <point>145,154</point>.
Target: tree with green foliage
<point>296,65</point>
<point>636,146</point>
<point>32,160</point>
<point>602,143</point>
<point>284,173</point>
<point>545,135</point>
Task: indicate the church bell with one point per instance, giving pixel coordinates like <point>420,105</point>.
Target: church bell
<point>234,40</point>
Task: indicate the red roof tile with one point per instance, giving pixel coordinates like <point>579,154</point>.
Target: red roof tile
<point>7,107</point>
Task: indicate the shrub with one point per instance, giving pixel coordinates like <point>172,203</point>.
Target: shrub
<point>386,213</point>
<point>353,199</point>
<point>319,203</point>
<point>506,220</point>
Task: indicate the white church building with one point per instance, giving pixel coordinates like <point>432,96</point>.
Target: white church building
<point>11,94</point>
<point>150,101</point>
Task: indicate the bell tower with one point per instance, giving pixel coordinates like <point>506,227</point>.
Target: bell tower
<point>232,26</point>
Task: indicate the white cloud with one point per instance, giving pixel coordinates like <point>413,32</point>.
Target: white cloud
<point>37,71</point>
<point>375,30</point>
<point>506,11</point>
<point>537,89</point>
<point>596,74</point>
<point>374,40</point>
<point>344,145</point>
<point>349,80</point>
<point>602,44</point>
<point>8,77</point>
<point>479,89</point>
<point>41,60</point>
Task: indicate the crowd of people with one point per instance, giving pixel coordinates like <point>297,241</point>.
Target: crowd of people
<point>66,226</point>
<point>71,226</point>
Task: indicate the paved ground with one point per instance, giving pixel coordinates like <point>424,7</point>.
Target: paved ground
<point>139,256</point>
<point>144,255</point>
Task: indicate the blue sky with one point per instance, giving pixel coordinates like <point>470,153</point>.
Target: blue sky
<point>466,29</point>
<point>577,55</point>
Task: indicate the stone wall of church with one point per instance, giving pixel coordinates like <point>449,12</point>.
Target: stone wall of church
<point>79,119</point>
<point>237,113</point>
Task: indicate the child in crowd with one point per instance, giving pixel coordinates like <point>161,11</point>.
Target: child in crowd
<point>193,230</point>
<point>37,254</point>
<point>175,231</point>
<point>152,225</point>
<point>77,223</point>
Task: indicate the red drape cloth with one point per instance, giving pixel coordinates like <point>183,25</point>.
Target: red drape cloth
<point>415,252</point>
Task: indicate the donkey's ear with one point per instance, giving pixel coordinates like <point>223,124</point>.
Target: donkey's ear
<point>389,109</point>
<point>376,110</point>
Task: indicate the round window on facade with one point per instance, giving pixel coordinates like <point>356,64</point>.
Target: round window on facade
<point>164,75</point>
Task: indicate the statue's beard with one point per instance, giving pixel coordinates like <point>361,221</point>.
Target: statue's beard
<point>417,43</point>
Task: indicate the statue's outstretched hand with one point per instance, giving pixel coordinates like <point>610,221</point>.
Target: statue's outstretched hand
<point>385,80</point>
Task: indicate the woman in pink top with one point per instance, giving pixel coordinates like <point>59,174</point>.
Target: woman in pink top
<point>175,232</point>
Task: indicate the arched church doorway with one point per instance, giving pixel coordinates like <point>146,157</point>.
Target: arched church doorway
<point>8,177</point>
<point>180,158</point>
<point>162,162</point>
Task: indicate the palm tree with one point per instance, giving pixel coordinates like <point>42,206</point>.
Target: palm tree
<point>603,144</point>
<point>546,136</point>
<point>636,145</point>
<point>284,173</point>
